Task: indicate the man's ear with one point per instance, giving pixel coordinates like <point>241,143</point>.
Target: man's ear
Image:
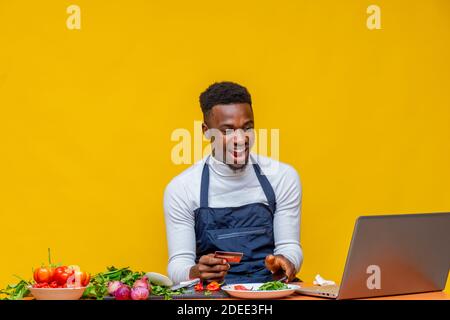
<point>204,128</point>
<point>207,132</point>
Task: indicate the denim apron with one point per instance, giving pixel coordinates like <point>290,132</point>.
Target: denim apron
<point>247,229</point>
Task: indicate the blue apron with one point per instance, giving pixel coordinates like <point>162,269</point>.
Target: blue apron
<point>247,229</point>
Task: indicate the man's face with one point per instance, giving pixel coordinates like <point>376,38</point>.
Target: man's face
<point>230,128</point>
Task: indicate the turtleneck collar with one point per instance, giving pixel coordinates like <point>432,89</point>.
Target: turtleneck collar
<point>224,170</point>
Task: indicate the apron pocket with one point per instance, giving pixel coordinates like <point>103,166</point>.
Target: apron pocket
<point>240,234</point>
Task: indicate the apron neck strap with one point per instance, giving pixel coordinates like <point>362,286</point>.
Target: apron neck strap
<point>264,182</point>
<point>204,186</point>
<point>267,187</point>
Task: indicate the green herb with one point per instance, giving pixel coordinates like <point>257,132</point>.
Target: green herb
<point>208,293</point>
<point>273,285</point>
<point>165,291</point>
<point>16,291</point>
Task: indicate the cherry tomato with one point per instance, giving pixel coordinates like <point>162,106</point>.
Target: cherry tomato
<point>53,284</point>
<point>43,274</point>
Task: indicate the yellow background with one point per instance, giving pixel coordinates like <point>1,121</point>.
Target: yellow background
<point>86,117</point>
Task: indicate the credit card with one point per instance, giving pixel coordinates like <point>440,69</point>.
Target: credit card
<point>231,257</point>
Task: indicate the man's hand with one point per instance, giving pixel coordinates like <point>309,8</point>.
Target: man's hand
<point>210,268</point>
<point>280,266</point>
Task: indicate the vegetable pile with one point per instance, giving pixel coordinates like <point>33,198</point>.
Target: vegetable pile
<point>60,277</point>
<point>48,276</point>
<point>125,284</point>
<point>120,283</point>
<point>57,276</point>
<point>107,283</point>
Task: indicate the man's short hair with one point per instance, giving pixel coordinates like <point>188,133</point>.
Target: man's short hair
<point>225,92</point>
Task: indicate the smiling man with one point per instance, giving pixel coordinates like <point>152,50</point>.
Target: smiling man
<point>226,202</point>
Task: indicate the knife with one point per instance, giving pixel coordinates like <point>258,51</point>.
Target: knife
<point>185,284</point>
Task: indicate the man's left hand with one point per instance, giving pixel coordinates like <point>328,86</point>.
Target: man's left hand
<point>280,266</point>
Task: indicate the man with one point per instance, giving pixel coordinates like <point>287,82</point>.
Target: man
<point>226,203</point>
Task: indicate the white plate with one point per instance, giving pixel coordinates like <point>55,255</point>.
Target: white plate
<point>258,294</point>
<point>57,293</point>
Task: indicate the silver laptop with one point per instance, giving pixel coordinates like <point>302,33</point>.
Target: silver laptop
<point>393,255</point>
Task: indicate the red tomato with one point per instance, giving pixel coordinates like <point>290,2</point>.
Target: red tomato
<point>240,287</point>
<point>86,279</point>
<point>61,275</point>
<point>213,286</point>
<point>43,275</point>
<point>199,287</point>
<point>53,284</point>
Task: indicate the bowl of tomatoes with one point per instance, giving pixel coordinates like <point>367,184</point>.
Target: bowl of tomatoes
<point>60,283</point>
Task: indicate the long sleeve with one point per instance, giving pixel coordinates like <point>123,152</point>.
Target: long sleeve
<point>180,231</point>
<point>287,218</point>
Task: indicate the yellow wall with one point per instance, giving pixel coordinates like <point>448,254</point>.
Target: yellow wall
<point>86,117</point>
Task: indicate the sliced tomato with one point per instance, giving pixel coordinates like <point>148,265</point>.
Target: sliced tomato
<point>78,279</point>
<point>199,287</point>
<point>240,287</point>
<point>213,286</point>
<point>86,279</point>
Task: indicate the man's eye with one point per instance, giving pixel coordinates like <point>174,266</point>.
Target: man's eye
<point>228,132</point>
